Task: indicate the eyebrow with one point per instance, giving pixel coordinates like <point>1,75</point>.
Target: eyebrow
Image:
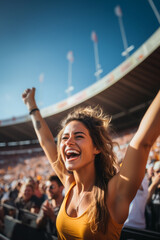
<point>75,133</point>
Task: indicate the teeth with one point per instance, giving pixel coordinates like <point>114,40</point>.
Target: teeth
<point>72,151</point>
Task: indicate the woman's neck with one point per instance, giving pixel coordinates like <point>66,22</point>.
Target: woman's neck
<point>85,178</point>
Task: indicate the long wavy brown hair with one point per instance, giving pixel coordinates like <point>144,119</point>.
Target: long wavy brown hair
<point>97,124</point>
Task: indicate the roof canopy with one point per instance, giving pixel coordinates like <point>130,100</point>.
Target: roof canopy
<point>125,94</point>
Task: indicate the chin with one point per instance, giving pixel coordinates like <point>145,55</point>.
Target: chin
<point>70,167</point>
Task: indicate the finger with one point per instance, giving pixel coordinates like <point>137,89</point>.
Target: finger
<point>44,208</point>
<point>28,90</point>
<point>46,212</point>
<point>23,95</point>
<point>33,90</point>
<point>47,203</point>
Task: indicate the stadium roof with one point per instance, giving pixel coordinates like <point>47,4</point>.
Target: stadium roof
<point>125,93</point>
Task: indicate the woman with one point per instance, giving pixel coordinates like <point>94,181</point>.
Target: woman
<point>97,197</point>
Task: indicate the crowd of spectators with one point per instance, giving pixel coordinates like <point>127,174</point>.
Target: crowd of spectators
<point>26,185</point>
<point>39,199</point>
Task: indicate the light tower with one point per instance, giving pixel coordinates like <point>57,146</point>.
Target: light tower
<point>154,10</point>
<point>127,49</point>
<point>98,66</point>
<point>70,62</point>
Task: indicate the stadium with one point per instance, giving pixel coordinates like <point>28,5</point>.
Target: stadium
<point>125,93</point>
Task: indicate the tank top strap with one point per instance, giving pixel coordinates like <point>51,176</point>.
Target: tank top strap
<point>70,188</point>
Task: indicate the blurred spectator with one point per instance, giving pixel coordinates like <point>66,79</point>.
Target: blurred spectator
<point>28,200</point>
<point>5,196</point>
<point>15,189</point>
<point>11,193</point>
<point>1,192</point>
<point>150,171</point>
<point>153,202</point>
<point>136,216</point>
<point>30,180</point>
<point>49,210</point>
<point>39,193</point>
<point>1,219</point>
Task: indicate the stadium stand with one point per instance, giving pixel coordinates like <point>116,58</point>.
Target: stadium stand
<point>124,93</point>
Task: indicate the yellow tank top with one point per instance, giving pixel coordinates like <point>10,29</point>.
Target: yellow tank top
<point>77,228</point>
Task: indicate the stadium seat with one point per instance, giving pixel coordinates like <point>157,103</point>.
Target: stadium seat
<point>27,217</point>
<point>9,225</point>
<point>10,210</point>
<point>129,233</point>
<point>16,230</point>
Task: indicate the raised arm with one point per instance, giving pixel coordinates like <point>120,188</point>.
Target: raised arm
<point>123,187</point>
<point>43,132</point>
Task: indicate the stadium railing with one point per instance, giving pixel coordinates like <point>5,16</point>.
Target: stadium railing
<point>2,237</point>
<point>15,229</point>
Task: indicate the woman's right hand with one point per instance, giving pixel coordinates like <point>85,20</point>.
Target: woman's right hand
<point>28,98</point>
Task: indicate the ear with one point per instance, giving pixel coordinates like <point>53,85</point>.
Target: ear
<point>96,151</point>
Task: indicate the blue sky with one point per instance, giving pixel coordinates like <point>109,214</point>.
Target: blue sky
<point>35,36</point>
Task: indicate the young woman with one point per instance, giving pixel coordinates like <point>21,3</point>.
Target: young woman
<point>97,197</point>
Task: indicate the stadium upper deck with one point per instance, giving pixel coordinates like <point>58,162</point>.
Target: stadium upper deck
<point>124,93</point>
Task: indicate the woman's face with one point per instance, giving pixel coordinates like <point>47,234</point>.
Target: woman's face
<point>76,147</point>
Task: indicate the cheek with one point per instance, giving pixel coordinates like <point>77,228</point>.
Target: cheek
<point>61,148</point>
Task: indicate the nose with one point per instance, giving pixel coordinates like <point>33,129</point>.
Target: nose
<point>70,141</point>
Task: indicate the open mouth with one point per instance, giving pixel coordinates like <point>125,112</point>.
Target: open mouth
<point>72,154</point>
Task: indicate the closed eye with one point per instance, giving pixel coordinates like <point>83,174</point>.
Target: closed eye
<point>64,138</point>
<point>76,134</point>
<point>79,136</point>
